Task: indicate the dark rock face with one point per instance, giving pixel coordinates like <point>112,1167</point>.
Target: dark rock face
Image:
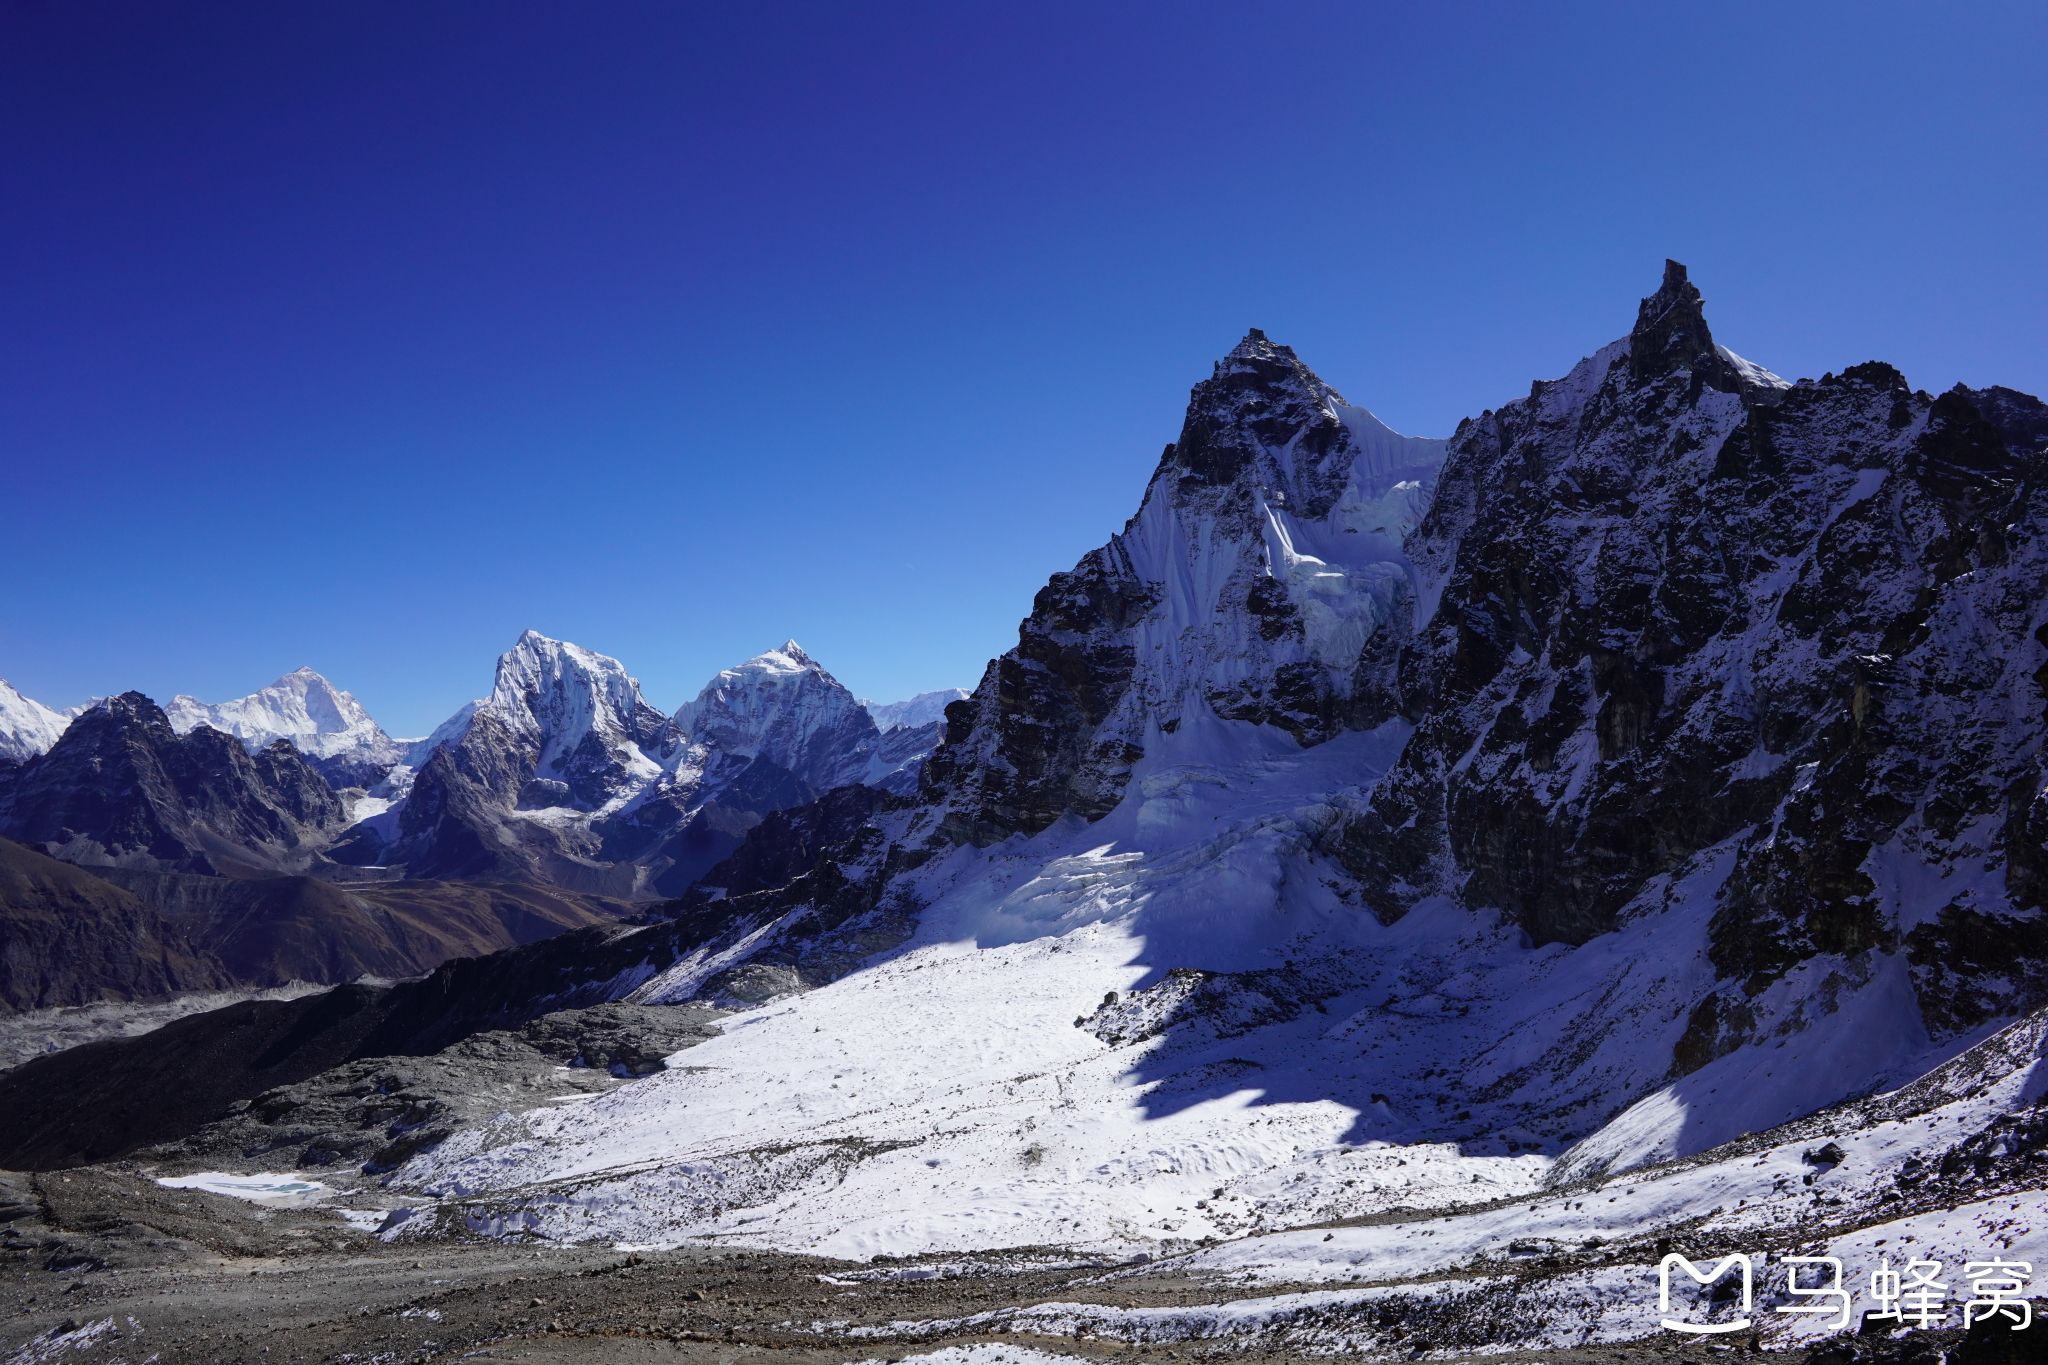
<point>1682,609</point>
<point>69,938</point>
<point>271,931</point>
<point>454,823</point>
<point>787,844</point>
<point>1671,337</point>
<point>122,789</point>
<point>680,834</point>
<point>343,771</point>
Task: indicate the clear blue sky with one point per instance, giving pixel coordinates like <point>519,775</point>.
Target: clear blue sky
<point>365,335</point>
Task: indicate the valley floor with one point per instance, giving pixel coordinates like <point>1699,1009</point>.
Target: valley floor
<point>308,1286</point>
<point>377,1303</point>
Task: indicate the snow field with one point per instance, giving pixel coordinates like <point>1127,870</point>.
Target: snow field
<point>944,1099</point>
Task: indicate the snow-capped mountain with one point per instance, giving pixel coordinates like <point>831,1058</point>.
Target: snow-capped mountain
<point>926,708</point>
<point>565,774</point>
<point>782,706</point>
<point>1251,587</point>
<point>511,786</point>
<point>27,727</point>
<point>325,724</point>
<point>1380,821</point>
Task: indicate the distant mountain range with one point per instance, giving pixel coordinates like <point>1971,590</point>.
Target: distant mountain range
<point>563,780</point>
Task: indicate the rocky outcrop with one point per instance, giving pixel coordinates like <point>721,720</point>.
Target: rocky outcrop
<point>69,938</point>
<point>121,788</point>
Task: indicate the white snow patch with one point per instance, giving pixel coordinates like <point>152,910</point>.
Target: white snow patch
<point>277,1191</point>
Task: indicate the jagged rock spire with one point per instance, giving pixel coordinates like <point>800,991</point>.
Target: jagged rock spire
<point>1671,335</point>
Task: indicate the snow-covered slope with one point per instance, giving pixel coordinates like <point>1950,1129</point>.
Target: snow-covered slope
<point>1380,822</point>
<point>325,724</point>
<point>27,727</point>
<point>925,708</point>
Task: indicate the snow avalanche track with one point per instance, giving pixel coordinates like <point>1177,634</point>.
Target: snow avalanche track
<point>1169,1026</point>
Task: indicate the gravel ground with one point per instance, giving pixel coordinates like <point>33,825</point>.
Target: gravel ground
<point>210,1279</point>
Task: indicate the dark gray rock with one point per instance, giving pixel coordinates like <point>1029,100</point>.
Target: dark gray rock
<point>70,938</point>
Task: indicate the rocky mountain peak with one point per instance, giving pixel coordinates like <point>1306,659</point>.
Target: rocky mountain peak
<point>122,788</point>
<point>1258,346</point>
<point>1261,398</point>
<point>1253,585</point>
<point>1671,335</point>
<point>565,692</point>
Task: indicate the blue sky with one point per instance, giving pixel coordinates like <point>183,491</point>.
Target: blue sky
<point>368,335</point>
